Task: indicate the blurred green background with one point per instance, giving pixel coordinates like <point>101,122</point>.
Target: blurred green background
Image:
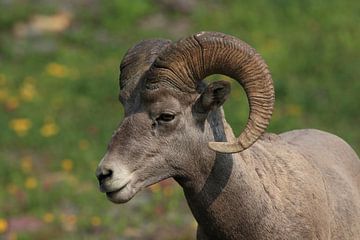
<point>58,100</point>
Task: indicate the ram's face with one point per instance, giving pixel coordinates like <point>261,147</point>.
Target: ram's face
<point>154,141</point>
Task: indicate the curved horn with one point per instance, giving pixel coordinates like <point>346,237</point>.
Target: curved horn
<point>188,61</point>
<point>136,62</point>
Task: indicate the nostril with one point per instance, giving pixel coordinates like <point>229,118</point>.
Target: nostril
<point>104,174</point>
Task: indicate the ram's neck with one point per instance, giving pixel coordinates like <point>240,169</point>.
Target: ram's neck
<point>222,197</point>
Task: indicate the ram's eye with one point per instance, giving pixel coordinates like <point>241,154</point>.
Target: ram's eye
<point>166,117</point>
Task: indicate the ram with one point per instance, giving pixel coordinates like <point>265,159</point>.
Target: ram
<point>302,184</point>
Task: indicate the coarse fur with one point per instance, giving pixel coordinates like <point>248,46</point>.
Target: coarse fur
<point>302,184</point>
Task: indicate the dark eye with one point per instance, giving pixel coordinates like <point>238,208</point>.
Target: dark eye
<point>165,117</point>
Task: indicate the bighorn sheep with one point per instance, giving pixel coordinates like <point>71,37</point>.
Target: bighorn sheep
<point>302,184</point>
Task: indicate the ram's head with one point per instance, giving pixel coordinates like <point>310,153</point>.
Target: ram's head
<point>173,121</point>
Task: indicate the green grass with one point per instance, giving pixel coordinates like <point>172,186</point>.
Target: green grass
<point>58,101</point>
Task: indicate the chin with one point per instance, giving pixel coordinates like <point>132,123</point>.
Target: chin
<point>121,196</point>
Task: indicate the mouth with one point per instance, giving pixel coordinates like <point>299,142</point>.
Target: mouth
<point>118,193</point>
<point>122,191</point>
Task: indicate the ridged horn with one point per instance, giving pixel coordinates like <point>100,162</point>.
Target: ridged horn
<point>136,61</point>
<point>188,61</point>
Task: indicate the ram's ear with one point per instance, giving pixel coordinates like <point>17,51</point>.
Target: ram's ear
<point>212,97</point>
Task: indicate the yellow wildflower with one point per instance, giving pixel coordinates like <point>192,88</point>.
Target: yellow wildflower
<point>11,103</point>
<point>26,164</point>
<point>49,129</point>
<point>155,187</point>
<point>95,221</point>
<point>3,225</point>
<point>4,94</point>
<point>83,144</point>
<point>67,165</point>
<point>31,183</point>
<point>56,70</point>
<point>20,125</point>
<point>168,191</point>
<point>27,91</point>
<point>48,217</point>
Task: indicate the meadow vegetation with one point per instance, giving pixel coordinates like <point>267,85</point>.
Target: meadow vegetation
<point>58,100</point>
